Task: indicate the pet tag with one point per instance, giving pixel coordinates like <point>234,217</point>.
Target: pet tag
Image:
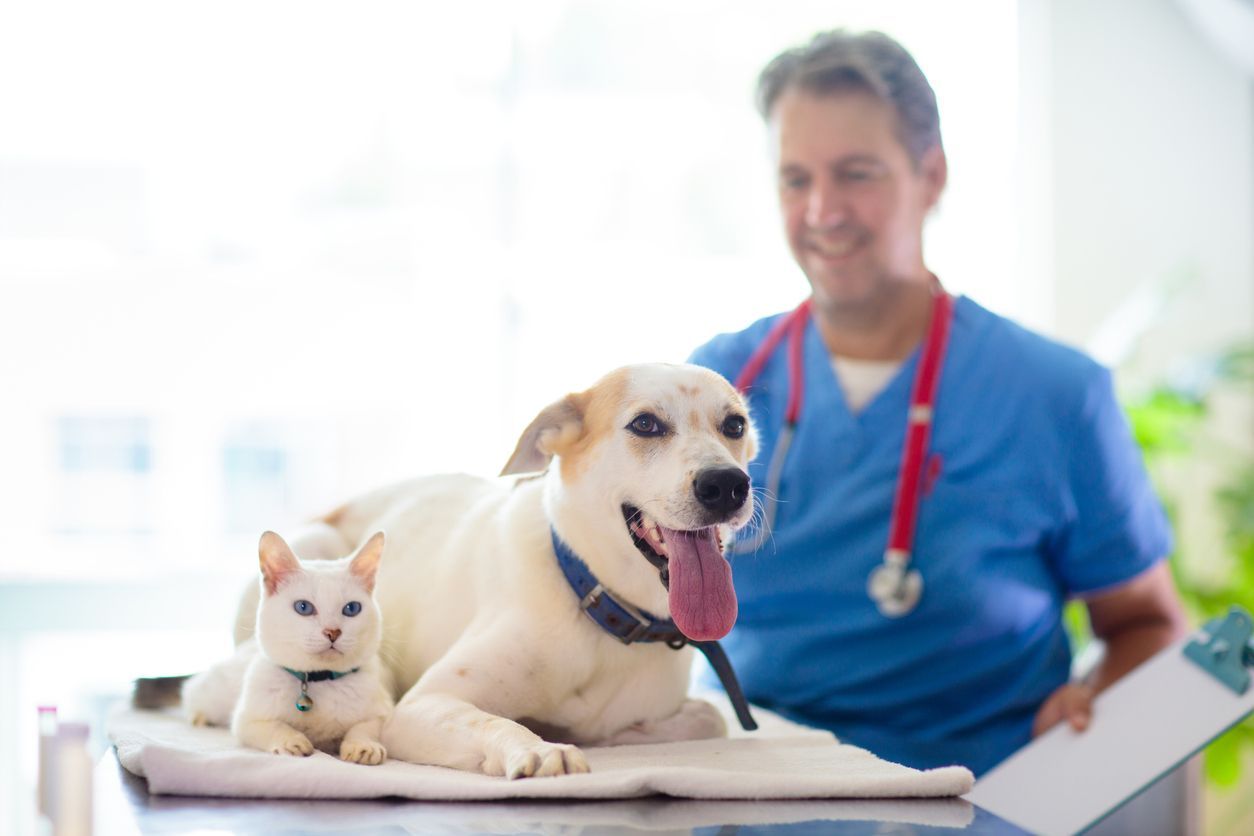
<point>304,702</point>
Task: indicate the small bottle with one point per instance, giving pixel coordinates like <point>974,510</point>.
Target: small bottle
<point>47,759</point>
<point>73,788</point>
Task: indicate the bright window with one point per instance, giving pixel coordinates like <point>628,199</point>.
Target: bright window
<point>411,229</point>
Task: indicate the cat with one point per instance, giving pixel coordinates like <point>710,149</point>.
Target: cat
<point>311,679</point>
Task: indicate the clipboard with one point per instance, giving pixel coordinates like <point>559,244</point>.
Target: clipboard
<point>1144,725</point>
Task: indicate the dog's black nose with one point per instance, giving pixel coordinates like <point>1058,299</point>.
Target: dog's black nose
<point>722,489</point>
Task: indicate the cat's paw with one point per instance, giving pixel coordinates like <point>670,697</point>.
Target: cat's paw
<point>199,719</point>
<point>543,760</point>
<point>291,744</point>
<point>367,752</point>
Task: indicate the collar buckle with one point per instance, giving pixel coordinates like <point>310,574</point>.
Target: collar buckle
<point>598,597</point>
<point>593,598</point>
<point>636,633</point>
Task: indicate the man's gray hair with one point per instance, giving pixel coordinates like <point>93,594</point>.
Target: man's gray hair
<point>838,61</point>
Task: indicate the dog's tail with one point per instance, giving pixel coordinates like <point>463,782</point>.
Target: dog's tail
<point>158,691</point>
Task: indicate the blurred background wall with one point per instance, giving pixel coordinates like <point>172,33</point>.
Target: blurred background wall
<point>255,257</point>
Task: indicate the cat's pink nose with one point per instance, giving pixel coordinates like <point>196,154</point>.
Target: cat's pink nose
<point>332,633</point>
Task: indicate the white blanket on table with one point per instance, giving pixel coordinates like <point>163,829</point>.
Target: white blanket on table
<point>779,761</point>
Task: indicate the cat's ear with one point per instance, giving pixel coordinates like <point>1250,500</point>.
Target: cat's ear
<point>277,561</point>
<point>365,564</point>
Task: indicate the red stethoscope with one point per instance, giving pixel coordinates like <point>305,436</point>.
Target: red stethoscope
<point>893,585</point>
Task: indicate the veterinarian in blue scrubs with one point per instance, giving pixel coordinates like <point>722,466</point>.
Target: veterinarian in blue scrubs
<point>1030,489</point>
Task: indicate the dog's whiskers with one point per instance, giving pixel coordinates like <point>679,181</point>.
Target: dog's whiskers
<point>756,526</point>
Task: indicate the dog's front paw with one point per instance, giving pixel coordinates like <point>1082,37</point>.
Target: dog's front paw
<point>544,759</point>
<point>294,743</point>
<point>367,752</point>
<point>198,718</point>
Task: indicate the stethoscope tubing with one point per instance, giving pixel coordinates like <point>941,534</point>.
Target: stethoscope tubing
<point>894,585</point>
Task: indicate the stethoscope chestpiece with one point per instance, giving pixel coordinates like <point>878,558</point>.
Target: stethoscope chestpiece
<point>895,588</point>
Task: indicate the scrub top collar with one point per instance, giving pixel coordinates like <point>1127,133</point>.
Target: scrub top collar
<point>823,395</point>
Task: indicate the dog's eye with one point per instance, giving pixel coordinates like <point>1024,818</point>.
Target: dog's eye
<point>734,426</point>
<point>304,607</point>
<point>646,424</point>
<point>351,608</point>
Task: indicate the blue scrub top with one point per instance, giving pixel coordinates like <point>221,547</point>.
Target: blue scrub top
<point>1040,495</point>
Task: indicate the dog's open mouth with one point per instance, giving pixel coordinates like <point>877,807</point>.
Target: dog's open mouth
<point>691,564</point>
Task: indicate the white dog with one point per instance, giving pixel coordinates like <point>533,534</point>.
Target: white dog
<point>500,666</point>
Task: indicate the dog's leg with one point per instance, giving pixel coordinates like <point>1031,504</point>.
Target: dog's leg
<point>459,713</point>
<point>695,720</point>
<point>444,730</point>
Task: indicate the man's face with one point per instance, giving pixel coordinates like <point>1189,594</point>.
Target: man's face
<point>852,200</point>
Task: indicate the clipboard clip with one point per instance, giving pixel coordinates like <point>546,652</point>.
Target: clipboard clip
<point>1224,649</point>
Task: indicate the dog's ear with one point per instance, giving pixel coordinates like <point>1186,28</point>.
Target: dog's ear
<point>557,425</point>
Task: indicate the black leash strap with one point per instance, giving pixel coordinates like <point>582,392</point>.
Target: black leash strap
<point>722,666</point>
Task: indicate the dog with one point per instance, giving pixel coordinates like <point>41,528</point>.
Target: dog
<point>500,668</point>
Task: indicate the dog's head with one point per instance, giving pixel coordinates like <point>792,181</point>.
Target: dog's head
<point>656,454</point>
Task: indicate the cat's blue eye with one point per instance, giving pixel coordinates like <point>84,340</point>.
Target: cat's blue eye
<point>351,608</point>
<point>304,607</point>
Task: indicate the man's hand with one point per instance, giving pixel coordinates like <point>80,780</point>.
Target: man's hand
<point>1072,702</point>
<point>1135,620</point>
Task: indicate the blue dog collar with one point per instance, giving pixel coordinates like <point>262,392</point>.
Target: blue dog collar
<point>630,625</point>
<point>621,620</point>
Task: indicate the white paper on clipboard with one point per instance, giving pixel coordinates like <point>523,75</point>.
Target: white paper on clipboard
<point>1143,726</point>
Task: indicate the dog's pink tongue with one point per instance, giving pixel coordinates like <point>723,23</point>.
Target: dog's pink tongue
<point>702,599</point>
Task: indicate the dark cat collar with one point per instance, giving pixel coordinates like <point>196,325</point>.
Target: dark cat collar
<point>319,676</point>
<point>305,702</point>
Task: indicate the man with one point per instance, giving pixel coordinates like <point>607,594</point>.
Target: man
<point>1032,491</point>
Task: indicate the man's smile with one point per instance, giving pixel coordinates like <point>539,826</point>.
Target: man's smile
<point>833,248</point>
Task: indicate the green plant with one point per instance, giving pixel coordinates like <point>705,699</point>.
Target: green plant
<point>1169,424</point>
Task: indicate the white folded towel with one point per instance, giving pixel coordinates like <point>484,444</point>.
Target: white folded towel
<point>780,761</point>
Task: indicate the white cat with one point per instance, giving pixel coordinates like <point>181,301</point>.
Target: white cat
<point>317,681</point>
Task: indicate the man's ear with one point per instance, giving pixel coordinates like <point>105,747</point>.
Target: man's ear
<point>556,427</point>
<point>934,170</point>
